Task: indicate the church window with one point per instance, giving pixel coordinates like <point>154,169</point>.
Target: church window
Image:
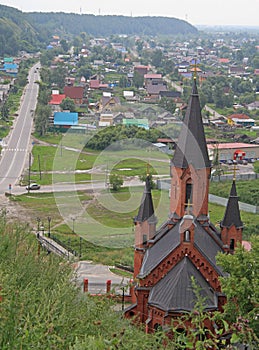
<point>188,196</point>
<point>187,236</point>
<point>232,244</point>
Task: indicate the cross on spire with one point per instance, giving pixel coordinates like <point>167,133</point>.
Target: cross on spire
<point>195,64</point>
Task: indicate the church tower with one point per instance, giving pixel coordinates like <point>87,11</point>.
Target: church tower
<point>184,248</point>
<point>231,225</point>
<point>190,166</point>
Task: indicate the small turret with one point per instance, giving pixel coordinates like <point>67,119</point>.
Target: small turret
<point>145,225</point>
<point>231,225</point>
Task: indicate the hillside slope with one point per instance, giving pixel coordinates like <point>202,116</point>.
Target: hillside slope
<point>30,31</point>
<point>107,25</point>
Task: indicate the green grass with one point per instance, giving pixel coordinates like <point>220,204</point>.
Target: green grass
<point>50,158</point>
<point>250,220</point>
<point>52,138</point>
<point>121,273</point>
<point>105,220</point>
<point>14,101</point>
<point>136,167</point>
<point>43,205</point>
<point>124,162</point>
<point>248,191</point>
<point>4,129</point>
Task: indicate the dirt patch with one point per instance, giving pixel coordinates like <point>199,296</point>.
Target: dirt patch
<point>16,212</point>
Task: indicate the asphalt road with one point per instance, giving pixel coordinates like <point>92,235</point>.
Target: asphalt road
<point>66,187</point>
<point>17,145</point>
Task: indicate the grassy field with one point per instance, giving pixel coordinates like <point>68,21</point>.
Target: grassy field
<point>52,164</point>
<point>248,191</point>
<point>104,220</point>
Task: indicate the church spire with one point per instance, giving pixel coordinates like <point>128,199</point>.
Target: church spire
<point>145,226</point>
<point>191,147</point>
<point>190,165</point>
<point>232,213</point>
<point>146,209</point>
<point>231,225</point>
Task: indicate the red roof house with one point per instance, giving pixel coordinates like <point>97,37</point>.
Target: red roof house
<point>56,99</point>
<point>76,93</point>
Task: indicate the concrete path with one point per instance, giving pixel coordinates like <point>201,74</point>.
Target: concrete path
<point>97,276</point>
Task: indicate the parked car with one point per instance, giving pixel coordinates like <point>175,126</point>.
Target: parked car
<point>33,186</point>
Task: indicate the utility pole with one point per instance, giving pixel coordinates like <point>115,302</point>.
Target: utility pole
<point>29,175</point>
<point>39,165</point>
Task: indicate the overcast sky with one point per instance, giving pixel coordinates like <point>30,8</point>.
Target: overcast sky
<point>209,12</point>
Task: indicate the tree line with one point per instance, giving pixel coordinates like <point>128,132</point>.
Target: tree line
<point>33,31</point>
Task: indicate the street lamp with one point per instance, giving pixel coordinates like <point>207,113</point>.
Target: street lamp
<point>38,221</point>
<point>80,247</point>
<point>49,220</point>
<point>42,229</point>
<point>73,227</point>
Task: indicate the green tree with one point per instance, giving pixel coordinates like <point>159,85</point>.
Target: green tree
<point>68,104</point>
<point>241,287</point>
<point>168,104</point>
<point>123,82</point>
<point>64,45</point>
<point>189,331</point>
<point>58,76</point>
<point>116,181</point>
<point>138,79</point>
<point>5,111</point>
<point>157,58</point>
<point>139,46</point>
<point>43,114</point>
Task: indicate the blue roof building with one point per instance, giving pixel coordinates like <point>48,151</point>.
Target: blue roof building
<point>65,119</point>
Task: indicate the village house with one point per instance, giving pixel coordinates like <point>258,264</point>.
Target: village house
<point>65,120</point>
<point>76,93</point>
<point>107,102</point>
<point>240,120</point>
<point>55,101</point>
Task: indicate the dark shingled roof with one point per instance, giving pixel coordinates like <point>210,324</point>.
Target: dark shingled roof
<point>161,248</point>
<point>166,240</point>
<point>175,293</point>
<point>192,147</point>
<point>232,213</point>
<point>146,209</point>
<point>208,244</point>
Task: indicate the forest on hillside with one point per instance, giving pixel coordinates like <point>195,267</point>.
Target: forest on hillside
<point>108,25</point>
<point>32,31</point>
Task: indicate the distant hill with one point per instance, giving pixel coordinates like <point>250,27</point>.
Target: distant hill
<point>16,33</point>
<point>28,31</point>
<point>107,25</point>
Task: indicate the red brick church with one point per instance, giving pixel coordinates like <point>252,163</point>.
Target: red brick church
<point>185,246</point>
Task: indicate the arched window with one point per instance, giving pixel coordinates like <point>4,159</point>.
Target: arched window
<point>188,196</point>
<point>188,193</point>
<point>187,237</point>
<point>232,244</point>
